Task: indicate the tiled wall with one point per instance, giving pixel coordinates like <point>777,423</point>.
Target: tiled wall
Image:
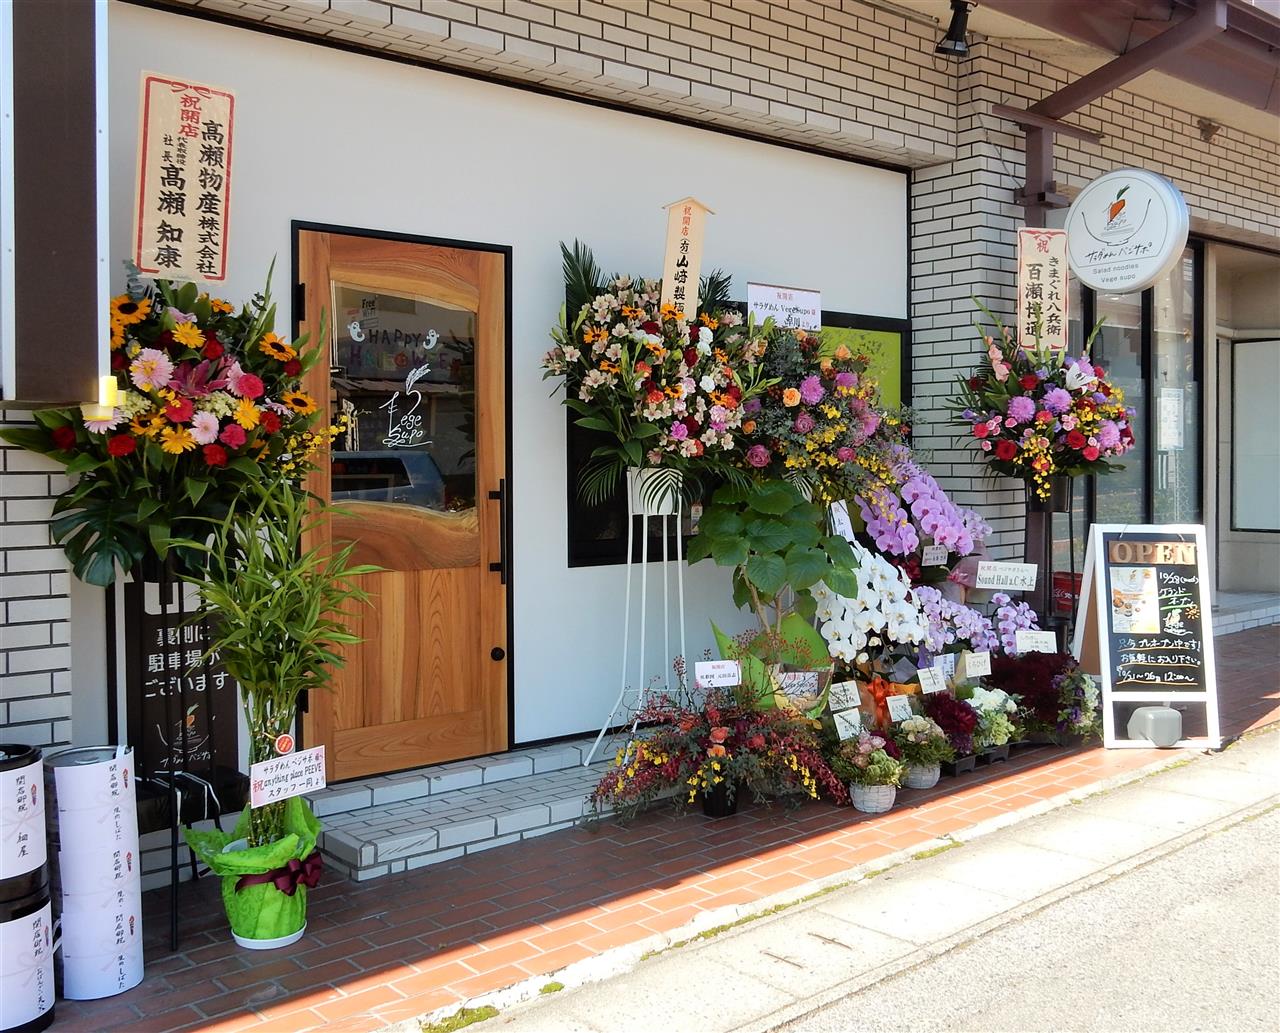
<point>35,607</point>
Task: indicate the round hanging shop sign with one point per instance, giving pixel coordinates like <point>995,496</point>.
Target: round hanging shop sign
<point>1125,230</point>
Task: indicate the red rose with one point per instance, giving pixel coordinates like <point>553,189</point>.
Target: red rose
<point>1090,453</point>
<point>981,430</point>
<point>63,438</point>
<point>1076,440</point>
<point>1126,435</point>
<point>1028,381</point>
<point>249,386</point>
<point>118,361</point>
<point>121,445</point>
<point>1006,450</point>
<point>651,327</point>
<point>180,411</point>
<point>1099,372</point>
<point>212,347</point>
<point>292,368</point>
<point>215,455</point>
<point>691,356</point>
<point>734,392</point>
<point>691,424</point>
<point>269,422</point>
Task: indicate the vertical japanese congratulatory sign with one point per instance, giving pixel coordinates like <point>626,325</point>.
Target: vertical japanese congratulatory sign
<point>1042,287</point>
<point>184,179</point>
<point>682,263</point>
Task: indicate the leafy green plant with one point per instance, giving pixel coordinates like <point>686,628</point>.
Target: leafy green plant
<point>865,762</point>
<point>773,538</point>
<point>279,619</point>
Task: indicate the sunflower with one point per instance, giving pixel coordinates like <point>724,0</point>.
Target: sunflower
<point>247,414</point>
<point>176,440</point>
<point>299,402</point>
<point>188,335</point>
<point>281,351</point>
<point>117,334</point>
<point>126,311</point>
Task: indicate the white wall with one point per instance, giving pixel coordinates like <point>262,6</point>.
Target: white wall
<point>332,137</point>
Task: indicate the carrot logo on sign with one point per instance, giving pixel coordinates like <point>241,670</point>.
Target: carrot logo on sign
<point>1116,206</point>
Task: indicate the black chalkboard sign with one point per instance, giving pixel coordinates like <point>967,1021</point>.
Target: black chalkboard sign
<point>1146,628</point>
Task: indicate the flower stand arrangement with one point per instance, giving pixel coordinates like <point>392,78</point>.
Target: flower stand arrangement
<point>210,407</point>
<point>923,747</point>
<point>1039,414</point>
<point>667,390</point>
<point>713,752</point>
<point>279,625</point>
<point>872,772</point>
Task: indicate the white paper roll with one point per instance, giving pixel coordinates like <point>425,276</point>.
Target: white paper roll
<point>26,975</point>
<point>84,871</point>
<point>95,924</point>
<point>87,979</point>
<point>22,832</point>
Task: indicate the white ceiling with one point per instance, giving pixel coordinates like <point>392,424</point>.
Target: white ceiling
<point>1081,58</point>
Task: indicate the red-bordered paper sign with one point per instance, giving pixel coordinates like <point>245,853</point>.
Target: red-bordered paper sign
<point>184,179</point>
<point>1042,287</point>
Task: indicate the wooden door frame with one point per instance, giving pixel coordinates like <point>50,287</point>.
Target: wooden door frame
<point>297,311</point>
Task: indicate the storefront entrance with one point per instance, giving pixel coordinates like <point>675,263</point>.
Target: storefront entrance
<point>416,375</point>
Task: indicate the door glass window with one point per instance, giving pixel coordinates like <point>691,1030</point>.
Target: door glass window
<point>1118,349</point>
<point>403,374</point>
<point>1176,396</point>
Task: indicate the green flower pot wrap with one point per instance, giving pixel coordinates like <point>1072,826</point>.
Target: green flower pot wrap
<point>261,911</point>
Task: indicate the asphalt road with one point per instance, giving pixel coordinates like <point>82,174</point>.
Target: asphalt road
<point>1190,941</point>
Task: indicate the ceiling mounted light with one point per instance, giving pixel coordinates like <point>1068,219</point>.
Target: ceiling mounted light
<point>953,43</point>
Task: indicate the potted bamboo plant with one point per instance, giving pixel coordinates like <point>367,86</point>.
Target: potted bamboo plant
<point>277,602</point>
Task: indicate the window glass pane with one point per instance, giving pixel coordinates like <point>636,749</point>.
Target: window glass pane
<point>1118,349</point>
<point>1176,396</point>
<point>404,376</point>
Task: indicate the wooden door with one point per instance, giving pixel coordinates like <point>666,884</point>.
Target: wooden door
<point>417,341</point>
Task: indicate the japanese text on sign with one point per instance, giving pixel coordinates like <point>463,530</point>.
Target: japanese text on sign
<point>682,261</point>
<point>283,777</point>
<point>1042,287</point>
<point>184,179</point>
<point>1014,577</point>
<point>787,306</point>
<point>716,674</point>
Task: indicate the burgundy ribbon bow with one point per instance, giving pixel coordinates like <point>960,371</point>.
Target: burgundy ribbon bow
<point>288,877</point>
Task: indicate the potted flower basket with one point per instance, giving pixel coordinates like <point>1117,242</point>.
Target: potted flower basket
<point>958,721</point>
<point>873,774</point>
<point>923,745</point>
<point>278,623</point>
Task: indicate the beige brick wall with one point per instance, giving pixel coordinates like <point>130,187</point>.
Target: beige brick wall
<point>834,75</point>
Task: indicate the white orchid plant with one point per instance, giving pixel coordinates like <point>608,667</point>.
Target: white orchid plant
<point>883,618</point>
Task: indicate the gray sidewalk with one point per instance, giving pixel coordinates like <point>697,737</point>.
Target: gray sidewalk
<point>792,965</point>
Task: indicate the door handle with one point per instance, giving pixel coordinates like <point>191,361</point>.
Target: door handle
<point>504,531</point>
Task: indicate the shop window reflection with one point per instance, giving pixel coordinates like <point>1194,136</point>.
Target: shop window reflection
<point>1118,349</point>
<point>403,374</point>
<point>1176,396</point>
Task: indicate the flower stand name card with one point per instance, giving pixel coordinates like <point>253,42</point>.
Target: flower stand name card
<point>283,777</point>
<point>1011,577</point>
<point>717,674</point>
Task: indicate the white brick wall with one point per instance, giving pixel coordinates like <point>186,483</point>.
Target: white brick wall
<point>35,608</point>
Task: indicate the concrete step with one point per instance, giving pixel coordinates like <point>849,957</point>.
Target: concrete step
<point>395,823</point>
<point>1239,611</point>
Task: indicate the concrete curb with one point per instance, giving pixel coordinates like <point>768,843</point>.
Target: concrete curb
<point>622,960</point>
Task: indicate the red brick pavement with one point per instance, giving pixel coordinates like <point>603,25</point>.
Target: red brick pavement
<point>397,947</point>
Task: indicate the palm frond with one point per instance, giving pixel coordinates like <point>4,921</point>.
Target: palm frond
<point>715,291</point>
<point>598,480</point>
<point>582,277</point>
